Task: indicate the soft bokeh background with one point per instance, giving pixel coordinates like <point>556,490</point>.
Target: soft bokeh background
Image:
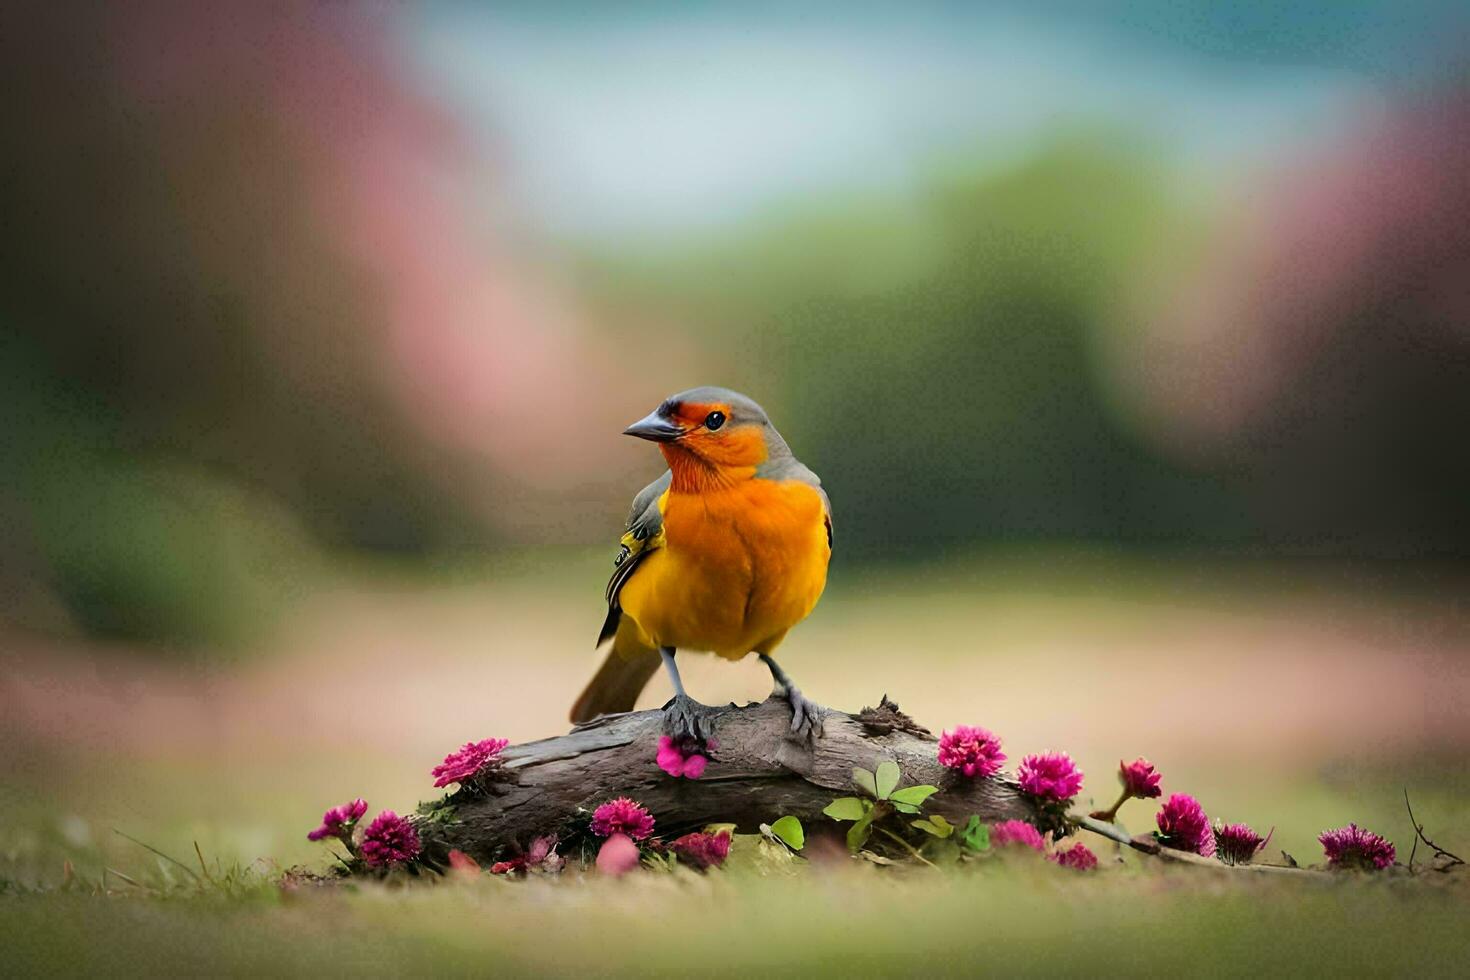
<point>1133,346</point>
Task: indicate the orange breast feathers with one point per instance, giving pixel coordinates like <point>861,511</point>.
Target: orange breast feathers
<point>743,561</point>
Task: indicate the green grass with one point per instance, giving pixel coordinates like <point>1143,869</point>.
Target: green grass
<point>858,921</point>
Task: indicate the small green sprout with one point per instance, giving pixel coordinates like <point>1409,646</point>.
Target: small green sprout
<point>885,798</point>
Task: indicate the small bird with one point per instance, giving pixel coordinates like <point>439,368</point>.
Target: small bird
<point>724,553</point>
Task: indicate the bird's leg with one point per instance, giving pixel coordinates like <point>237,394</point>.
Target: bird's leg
<point>806,716</point>
<point>685,717</point>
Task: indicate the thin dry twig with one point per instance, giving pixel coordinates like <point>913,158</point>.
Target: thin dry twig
<point>202,866</point>
<point>117,874</point>
<point>1439,852</point>
<point>906,846</point>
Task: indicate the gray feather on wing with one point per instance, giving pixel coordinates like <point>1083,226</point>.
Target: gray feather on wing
<point>645,521</point>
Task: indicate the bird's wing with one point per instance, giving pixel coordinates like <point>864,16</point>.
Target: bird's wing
<point>788,467</point>
<point>645,533</point>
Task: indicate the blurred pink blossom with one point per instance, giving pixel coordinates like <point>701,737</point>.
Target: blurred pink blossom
<point>1077,857</point>
<point>1020,832</point>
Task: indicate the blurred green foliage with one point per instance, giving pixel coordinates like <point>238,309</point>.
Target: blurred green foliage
<point>933,357</point>
<point>932,353</point>
<point>929,355</point>
<point>168,553</point>
<point>137,543</point>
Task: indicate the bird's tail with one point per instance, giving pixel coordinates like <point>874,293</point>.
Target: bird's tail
<point>618,682</point>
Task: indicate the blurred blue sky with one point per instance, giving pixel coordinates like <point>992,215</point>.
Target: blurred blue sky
<point>674,117</point>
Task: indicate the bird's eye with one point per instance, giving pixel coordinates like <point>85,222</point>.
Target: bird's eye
<point>714,420</point>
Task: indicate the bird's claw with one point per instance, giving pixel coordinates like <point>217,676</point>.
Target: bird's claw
<point>806,715</point>
<point>685,717</point>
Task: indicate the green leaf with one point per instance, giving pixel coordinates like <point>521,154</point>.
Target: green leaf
<point>887,776</point>
<point>789,830</point>
<point>915,795</point>
<point>845,808</point>
<point>865,782</point>
<point>976,835</point>
<point>904,807</point>
<point>858,833</point>
<point>935,826</point>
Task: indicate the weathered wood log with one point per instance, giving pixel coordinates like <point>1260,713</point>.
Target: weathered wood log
<point>757,773</point>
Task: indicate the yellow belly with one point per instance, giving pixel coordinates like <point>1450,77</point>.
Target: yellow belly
<point>739,567</point>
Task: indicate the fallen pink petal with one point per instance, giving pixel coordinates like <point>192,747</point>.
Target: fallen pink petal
<point>462,863</point>
<point>702,850</point>
<point>618,855</point>
<point>540,856</point>
<point>681,758</point>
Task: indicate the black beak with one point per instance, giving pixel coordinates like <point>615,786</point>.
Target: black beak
<point>655,428</point>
